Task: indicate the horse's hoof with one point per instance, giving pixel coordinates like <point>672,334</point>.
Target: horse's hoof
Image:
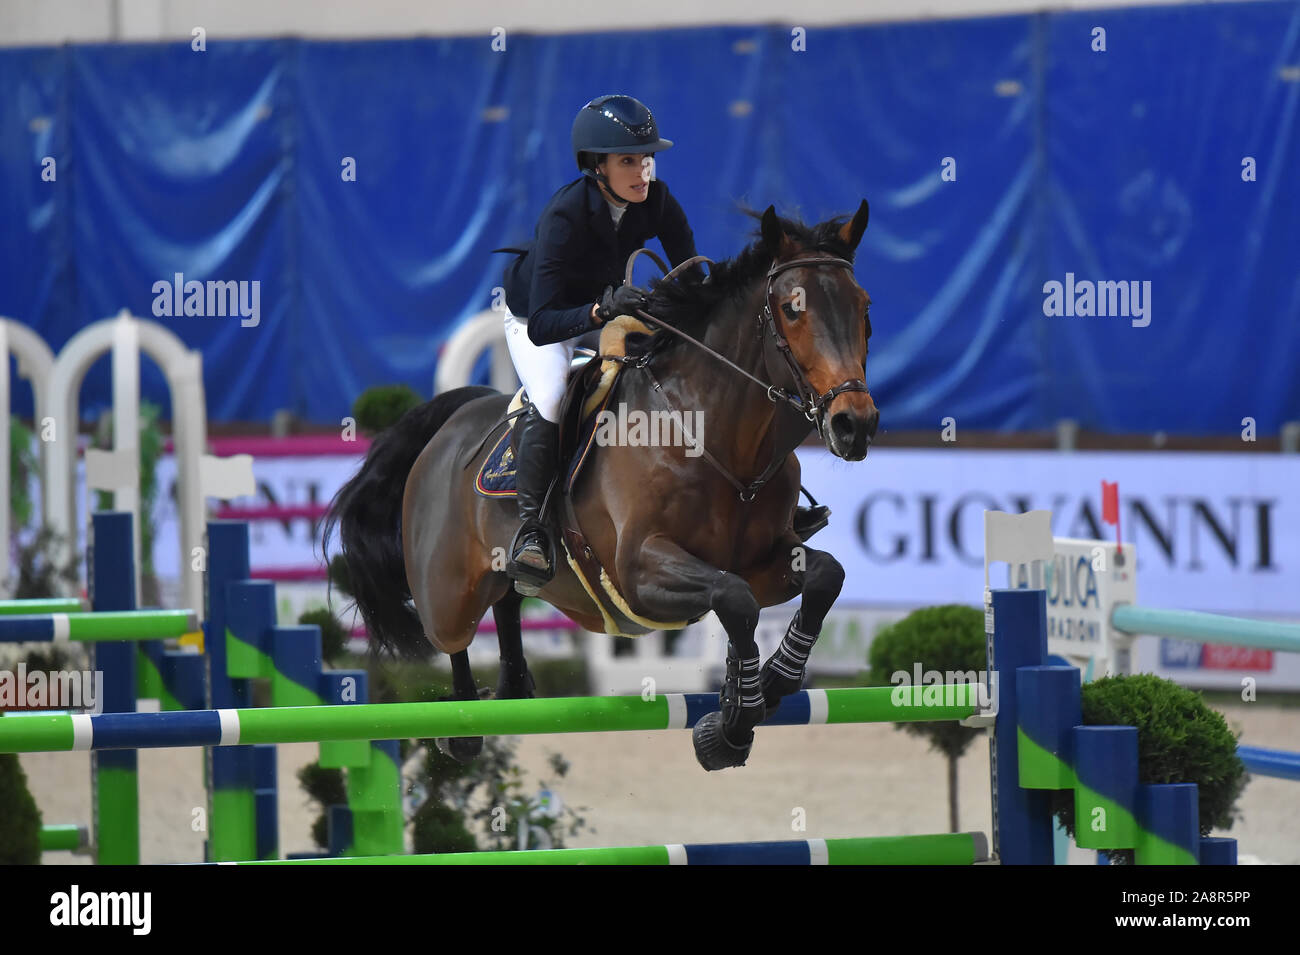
<point>713,749</point>
<point>463,749</point>
<point>526,590</point>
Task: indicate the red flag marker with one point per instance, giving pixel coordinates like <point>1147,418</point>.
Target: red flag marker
<point>1110,509</point>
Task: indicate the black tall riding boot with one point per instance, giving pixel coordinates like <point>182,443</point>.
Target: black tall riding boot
<point>530,559</point>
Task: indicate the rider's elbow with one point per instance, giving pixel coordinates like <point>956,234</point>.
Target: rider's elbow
<point>537,329</point>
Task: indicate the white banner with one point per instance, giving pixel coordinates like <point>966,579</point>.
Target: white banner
<point>289,544</point>
<point>1214,532</point>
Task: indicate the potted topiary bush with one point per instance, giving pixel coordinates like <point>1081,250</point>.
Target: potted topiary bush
<point>949,639</point>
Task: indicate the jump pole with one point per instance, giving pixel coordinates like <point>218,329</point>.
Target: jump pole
<point>66,837</point>
<point>1199,627</point>
<point>307,724</point>
<point>96,627</point>
<point>40,605</point>
<point>957,848</point>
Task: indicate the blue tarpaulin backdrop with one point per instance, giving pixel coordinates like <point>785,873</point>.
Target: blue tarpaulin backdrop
<point>1116,165</point>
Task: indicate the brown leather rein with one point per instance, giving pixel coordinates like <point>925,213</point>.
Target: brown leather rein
<point>807,402</point>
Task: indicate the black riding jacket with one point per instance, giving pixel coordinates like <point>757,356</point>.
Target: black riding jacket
<point>577,252</point>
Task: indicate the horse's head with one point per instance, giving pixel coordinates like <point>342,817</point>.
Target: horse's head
<point>820,314</point>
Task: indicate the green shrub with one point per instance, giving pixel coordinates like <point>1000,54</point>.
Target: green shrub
<point>454,810</point>
<point>379,408</point>
<point>20,820</point>
<point>35,572</point>
<point>481,806</point>
<point>1180,740</point>
<point>944,638</point>
<point>23,463</point>
<point>333,637</point>
<point>326,788</point>
<point>949,638</point>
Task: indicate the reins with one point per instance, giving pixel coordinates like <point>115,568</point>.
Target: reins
<point>807,402</point>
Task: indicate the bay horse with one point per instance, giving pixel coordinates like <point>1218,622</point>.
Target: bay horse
<point>779,348</point>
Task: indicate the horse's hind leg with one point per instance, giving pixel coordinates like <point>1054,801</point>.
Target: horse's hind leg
<point>463,749</point>
<point>514,681</point>
<point>458,587</point>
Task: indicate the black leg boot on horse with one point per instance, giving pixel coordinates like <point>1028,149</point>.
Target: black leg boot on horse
<point>532,555</point>
<point>785,671</point>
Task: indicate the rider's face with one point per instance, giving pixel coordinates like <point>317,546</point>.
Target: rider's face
<point>629,174</point>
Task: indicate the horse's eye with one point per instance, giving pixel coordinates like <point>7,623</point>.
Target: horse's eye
<point>791,312</point>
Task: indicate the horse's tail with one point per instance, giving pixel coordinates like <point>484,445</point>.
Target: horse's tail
<point>368,513</point>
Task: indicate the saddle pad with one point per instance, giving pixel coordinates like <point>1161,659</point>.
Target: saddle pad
<point>496,476</point>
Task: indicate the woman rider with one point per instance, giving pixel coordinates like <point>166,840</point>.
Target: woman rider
<point>554,292</point>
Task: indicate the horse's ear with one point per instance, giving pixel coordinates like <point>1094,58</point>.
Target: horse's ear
<point>773,234</point>
<point>852,231</point>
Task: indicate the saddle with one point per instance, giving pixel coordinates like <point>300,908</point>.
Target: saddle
<point>591,388</point>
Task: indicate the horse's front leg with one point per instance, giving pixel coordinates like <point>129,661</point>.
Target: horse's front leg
<point>818,577</point>
<point>666,582</point>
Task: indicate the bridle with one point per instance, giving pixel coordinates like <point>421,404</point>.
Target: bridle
<point>810,403</point>
<point>806,401</point>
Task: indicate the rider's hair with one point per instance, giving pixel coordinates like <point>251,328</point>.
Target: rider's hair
<point>591,160</point>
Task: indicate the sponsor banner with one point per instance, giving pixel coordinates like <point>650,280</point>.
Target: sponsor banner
<point>1213,532</point>
<point>1084,581</point>
<point>1215,666</point>
<point>1180,654</point>
<point>290,545</point>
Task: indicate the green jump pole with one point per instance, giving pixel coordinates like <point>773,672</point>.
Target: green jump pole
<point>957,848</point>
<point>385,721</point>
<point>68,837</point>
<point>41,605</point>
<point>121,625</point>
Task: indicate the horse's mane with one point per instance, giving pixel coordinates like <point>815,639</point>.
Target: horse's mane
<point>687,301</point>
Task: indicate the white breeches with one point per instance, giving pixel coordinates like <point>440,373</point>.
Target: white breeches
<point>543,369</point>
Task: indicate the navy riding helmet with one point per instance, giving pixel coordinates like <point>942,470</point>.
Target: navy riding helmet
<point>615,124</point>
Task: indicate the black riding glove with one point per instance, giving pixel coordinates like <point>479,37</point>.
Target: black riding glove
<point>623,300</point>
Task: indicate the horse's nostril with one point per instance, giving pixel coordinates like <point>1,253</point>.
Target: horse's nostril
<point>842,425</point>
